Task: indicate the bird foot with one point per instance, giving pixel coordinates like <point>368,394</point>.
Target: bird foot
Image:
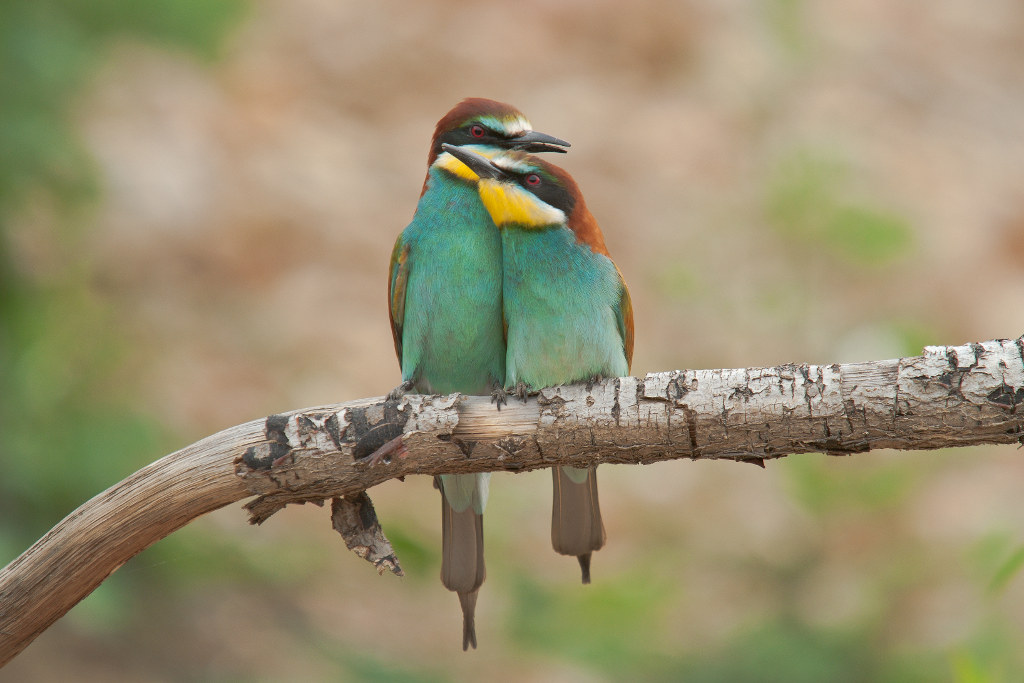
<point>499,396</point>
<point>386,453</point>
<point>399,391</point>
<point>522,391</point>
<point>592,380</point>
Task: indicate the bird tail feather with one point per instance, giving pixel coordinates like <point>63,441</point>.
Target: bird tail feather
<point>576,526</point>
<point>462,560</point>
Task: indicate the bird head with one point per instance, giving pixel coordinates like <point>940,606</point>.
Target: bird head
<point>489,124</point>
<point>524,191</point>
<point>517,189</point>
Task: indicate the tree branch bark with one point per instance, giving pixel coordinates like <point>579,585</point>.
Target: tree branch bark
<point>950,396</point>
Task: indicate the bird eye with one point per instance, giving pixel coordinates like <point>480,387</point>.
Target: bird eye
<point>476,130</point>
<point>533,179</point>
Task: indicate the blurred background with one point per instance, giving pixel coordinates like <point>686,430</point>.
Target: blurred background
<point>198,200</point>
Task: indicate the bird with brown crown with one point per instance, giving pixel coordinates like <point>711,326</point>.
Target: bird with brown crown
<point>445,301</point>
<point>568,313</point>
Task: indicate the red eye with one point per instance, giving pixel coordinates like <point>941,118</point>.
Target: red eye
<point>476,131</point>
<point>533,179</point>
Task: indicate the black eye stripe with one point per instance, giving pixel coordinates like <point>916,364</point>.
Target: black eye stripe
<point>463,136</point>
<point>548,190</point>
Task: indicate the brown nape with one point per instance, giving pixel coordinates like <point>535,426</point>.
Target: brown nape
<point>580,220</point>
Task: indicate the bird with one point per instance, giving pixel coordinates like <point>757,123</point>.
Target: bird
<point>444,301</point>
<point>567,309</point>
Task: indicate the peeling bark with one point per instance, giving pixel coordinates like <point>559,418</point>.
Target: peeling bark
<point>355,519</point>
<point>947,397</point>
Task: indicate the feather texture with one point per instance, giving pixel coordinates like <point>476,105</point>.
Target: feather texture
<point>445,305</point>
<point>567,311</point>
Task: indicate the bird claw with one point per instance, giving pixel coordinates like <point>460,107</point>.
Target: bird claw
<point>592,380</point>
<point>386,453</point>
<point>399,391</point>
<point>499,396</point>
<point>522,391</point>
<point>279,461</point>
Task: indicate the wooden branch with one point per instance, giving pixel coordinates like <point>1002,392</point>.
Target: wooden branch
<point>950,396</point>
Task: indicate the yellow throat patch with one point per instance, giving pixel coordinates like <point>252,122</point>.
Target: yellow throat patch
<point>459,169</point>
<point>510,204</point>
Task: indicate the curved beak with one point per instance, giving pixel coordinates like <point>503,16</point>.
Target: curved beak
<point>480,165</point>
<point>535,142</point>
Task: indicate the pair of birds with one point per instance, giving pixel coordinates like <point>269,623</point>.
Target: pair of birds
<point>502,280</point>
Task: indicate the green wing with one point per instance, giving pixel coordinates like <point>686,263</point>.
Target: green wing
<point>624,319</point>
<point>397,279</point>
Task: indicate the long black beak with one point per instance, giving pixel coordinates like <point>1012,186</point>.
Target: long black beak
<point>480,165</point>
<point>534,142</point>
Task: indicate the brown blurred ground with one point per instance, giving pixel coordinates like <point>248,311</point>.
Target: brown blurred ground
<point>250,210</point>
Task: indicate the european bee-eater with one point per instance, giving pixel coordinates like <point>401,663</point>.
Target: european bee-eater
<point>444,296</point>
<point>566,306</point>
